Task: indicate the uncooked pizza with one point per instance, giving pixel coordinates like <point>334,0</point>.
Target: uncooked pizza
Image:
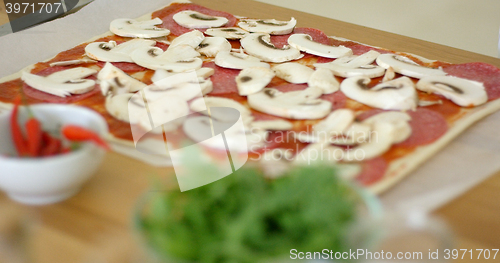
<point>303,97</point>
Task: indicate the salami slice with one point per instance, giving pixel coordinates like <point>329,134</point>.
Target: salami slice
<point>45,97</point>
<point>290,87</point>
<point>317,35</point>
<point>427,126</point>
<point>489,75</point>
<point>338,99</point>
<point>125,66</point>
<point>360,49</point>
<point>372,171</point>
<point>167,14</point>
<point>223,79</point>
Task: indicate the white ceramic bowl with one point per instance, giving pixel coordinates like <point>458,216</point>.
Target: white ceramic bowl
<point>48,180</point>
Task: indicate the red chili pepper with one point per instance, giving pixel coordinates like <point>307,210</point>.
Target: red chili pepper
<point>17,134</point>
<point>34,132</point>
<point>52,145</point>
<point>79,134</point>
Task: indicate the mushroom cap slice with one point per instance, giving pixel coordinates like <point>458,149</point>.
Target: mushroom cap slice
<point>304,42</point>
<point>202,104</point>
<point>236,60</point>
<point>259,45</point>
<point>397,94</point>
<point>253,79</point>
<point>407,67</point>
<point>142,29</point>
<point>62,83</point>
<point>192,38</point>
<point>323,78</point>
<point>111,52</point>
<point>293,72</point>
<point>374,147</point>
<point>461,91</point>
<point>114,80</point>
<point>351,66</point>
<point>227,32</point>
<point>194,19</point>
<point>302,104</point>
<point>211,46</point>
<point>169,112</point>
<point>402,129</point>
<point>337,121</point>
<point>269,26</point>
<point>153,58</point>
<point>118,107</point>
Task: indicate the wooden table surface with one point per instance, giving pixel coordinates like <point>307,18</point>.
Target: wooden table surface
<point>96,223</point>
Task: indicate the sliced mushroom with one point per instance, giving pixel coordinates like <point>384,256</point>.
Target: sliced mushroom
<point>62,83</point>
<point>179,53</point>
<point>269,26</point>
<point>143,29</point>
<point>397,94</point>
<point>162,75</point>
<point>227,32</point>
<point>304,42</point>
<point>201,129</point>
<point>399,120</point>
<point>381,143</point>
<point>463,92</point>
<point>154,58</point>
<point>357,133</point>
<point>111,52</point>
<point>293,72</point>
<point>210,46</point>
<point>352,66</point>
<point>302,104</point>
<point>184,89</point>
<point>338,121</point>
<point>169,112</point>
<point>259,45</point>
<point>236,60</point>
<point>201,105</point>
<point>252,80</point>
<point>323,78</point>
<point>407,67</point>
<point>316,153</point>
<point>114,80</point>
<point>192,38</point>
<point>194,19</point>
<point>118,106</point>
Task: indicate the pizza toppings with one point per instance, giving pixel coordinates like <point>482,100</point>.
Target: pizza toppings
<point>253,79</point>
<point>201,105</point>
<point>167,112</point>
<point>259,45</point>
<point>301,104</point>
<point>118,106</point>
<point>194,19</point>
<point>304,42</point>
<point>192,38</point>
<point>337,122</point>
<point>463,92</point>
<point>399,120</point>
<point>112,79</point>
<point>323,78</point>
<point>227,32</point>
<point>155,58</point>
<point>112,52</point>
<point>142,29</point>
<point>351,66</point>
<point>272,125</point>
<point>407,67</point>
<point>238,60</point>
<point>62,83</point>
<point>293,72</point>
<point>268,26</point>
<point>211,46</point>
<point>397,94</point>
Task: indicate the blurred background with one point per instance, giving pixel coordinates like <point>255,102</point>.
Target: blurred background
<point>469,25</point>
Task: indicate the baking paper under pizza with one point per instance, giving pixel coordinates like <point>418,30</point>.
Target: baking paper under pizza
<point>304,97</point>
